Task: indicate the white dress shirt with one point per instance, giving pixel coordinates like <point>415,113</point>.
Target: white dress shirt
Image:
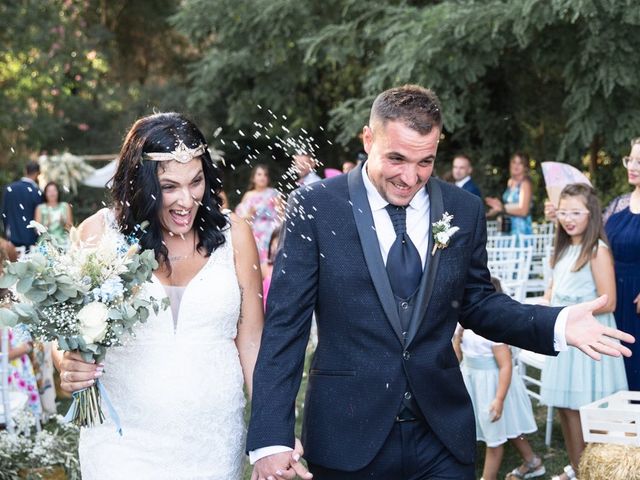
<point>418,231</point>
<point>309,178</point>
<point>460,183</point>
<point>417,211</point>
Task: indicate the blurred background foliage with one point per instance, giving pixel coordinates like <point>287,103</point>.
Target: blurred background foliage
<point>555,78</point>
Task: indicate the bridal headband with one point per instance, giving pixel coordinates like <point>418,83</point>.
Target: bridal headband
<point>182,154</point>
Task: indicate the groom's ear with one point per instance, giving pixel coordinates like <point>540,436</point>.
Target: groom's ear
<point>367,138</point>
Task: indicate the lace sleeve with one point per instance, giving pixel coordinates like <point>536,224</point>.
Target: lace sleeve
<point>617,205</point>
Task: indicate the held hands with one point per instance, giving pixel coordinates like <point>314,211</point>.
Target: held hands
<point>281,466</point>
<point>583,331</point>
<point>76,374</point>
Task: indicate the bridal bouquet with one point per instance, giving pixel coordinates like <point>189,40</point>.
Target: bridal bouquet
<point>86,297</point>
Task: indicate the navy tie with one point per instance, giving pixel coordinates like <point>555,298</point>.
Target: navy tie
<point>404,265</point>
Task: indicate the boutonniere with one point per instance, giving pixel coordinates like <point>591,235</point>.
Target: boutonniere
<point>442,232</point>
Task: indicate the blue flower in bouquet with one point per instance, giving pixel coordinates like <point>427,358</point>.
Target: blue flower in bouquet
<point>112,289</point>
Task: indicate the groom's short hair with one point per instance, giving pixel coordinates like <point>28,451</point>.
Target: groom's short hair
<point>417,107</point>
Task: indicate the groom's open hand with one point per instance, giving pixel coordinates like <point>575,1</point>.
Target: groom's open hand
<point>281,466</point>
<point>583,331</point>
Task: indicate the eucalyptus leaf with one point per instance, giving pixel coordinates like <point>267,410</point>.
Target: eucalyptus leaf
<point>62,343</point>
<point>36,296</point>
<point>8,318</point>
<point>7,280</point>
<point>25,310</point>
<point>87,356</point>
<point>24,284</point>
<point>20,269</point>
<point>73,343</point>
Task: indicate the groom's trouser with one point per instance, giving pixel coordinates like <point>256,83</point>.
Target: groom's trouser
<point>410,452</point>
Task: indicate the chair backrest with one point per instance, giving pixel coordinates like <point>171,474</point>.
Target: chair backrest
<point>4,380</point>
<point>541,243</point>
<point>492,227</point>
<point>546,228</point>
<point>501,241</point>
<point>511,266</point>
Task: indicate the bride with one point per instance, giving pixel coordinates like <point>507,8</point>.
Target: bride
<point>178,383</point>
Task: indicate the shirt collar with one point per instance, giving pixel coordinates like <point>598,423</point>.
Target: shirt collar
<point>28,180</point>
<point>377,202</point>
<point>460,183</point>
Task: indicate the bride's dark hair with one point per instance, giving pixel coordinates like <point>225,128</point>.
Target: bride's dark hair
<point>136,190</point>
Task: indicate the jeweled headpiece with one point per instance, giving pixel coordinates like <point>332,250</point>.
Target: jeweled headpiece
<point>181,154</point>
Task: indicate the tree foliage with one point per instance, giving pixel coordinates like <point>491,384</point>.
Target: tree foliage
<point>556,78</point>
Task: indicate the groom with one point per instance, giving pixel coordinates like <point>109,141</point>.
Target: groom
<point>385,398</point>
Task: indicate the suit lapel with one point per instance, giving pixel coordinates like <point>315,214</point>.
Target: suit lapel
<point>436,209</point>
<point>371,248</point>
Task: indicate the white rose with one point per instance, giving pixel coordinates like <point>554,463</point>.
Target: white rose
<point>442,238</point>
<point>93,322</point>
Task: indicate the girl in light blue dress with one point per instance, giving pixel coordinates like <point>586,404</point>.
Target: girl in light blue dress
<point>582,271</point>
<point>500,403</point>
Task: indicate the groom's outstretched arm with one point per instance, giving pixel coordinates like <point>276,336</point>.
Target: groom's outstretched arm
<point>533,327</point>
<point>292,297</point>
<point>497,316</point>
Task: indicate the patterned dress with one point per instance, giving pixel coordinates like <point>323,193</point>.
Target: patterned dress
<point>623,230</point>
<point>519,225</point>
<point>55,219</point>
<point>21,376</point>
<point>263,207</point>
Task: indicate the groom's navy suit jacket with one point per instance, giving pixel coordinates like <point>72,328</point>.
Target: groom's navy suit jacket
<point>330,261</point>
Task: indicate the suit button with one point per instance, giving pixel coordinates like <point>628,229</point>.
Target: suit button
<point>404,305</point>
<point>406,355</point>
<point>407,395</point>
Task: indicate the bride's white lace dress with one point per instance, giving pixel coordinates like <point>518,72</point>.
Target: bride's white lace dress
<point>178,388</point>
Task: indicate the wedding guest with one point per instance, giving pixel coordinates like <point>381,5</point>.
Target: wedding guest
<point>261,206</point>
<point>178,422</point>
<point>347,166</point>
<point>21,375</point>
<point>19,203</point>
<point>267,268</point>
<point>515,206</point>
<point>622,225</point>
<point>461,170</point>
<point>54,214</point>
<point>42,362</point>
<point>7,251</point>
<point>582,271</point>
<point>501,405</point>
<point>305,168</point>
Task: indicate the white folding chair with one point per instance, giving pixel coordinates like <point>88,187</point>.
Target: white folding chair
<point>501,241</point>
<point>492,227</point>
<point>511,266</point>
<point>540,243</point>
<point>527,359</point>
<point>545,228</point>
<point>12,402</point>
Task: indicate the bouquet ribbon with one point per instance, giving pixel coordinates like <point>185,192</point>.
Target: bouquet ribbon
<point>115,418</point>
